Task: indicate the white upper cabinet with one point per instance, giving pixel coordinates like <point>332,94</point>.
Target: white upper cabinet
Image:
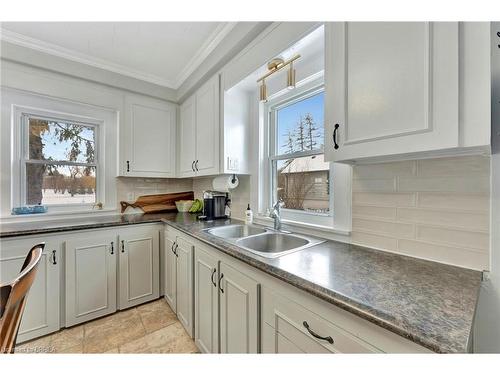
<point>148,138</point>
<point>199,132</point>
<point>393,88</point>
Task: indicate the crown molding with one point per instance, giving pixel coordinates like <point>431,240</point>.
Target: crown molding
<point>52,49</point>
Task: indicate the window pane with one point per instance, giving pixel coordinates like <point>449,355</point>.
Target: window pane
<point>61,141</point>
<point>300,126</point>
<point>304,183</point>
<point>60,184</point>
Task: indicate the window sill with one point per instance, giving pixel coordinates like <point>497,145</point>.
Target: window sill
<point>57,215</point>
<point>313,229</point>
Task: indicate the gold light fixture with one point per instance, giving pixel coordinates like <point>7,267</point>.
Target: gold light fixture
<point>273,66</point>
<point>263,92</point>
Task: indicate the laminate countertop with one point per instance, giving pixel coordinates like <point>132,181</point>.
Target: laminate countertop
<point>430,303</point>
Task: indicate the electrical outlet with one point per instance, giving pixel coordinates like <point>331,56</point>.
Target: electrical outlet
<point>232,164</point>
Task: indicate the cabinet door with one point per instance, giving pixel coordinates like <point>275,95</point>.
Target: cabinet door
<point>187,138</point>
<point>390,88</point>
<point>239,305</point>
<point>41,313</point>
<point>170,272</point>
<point>185,308</point>
<point>206,301</point>
<point>139,279</point>
<point>90,276</point>
<point>207,128</point>
<point>149,137</point>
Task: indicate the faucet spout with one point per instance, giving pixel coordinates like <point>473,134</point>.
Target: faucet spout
<point>275,213</point>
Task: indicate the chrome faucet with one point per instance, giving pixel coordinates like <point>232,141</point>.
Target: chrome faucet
<point>276,213</point>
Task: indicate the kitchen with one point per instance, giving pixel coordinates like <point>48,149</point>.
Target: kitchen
<point>250,187</point>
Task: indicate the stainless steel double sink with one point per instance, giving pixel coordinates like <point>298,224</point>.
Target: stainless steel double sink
<point>264,242</point>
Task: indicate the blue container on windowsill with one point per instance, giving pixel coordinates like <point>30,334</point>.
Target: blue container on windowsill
<point>26,210</point>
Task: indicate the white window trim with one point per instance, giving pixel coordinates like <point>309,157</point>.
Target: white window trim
<point>340,221</point>
<point>24,157</point>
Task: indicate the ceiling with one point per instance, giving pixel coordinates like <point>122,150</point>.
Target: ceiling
<point>164,53</point>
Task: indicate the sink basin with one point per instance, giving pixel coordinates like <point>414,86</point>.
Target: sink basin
<point>236,231</point>
<point>274,244</point>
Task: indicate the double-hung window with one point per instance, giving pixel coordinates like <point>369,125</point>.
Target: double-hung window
<point>299,175</point>
<point>59,164</point>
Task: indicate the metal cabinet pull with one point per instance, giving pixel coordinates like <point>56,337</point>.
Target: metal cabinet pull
<point>128,166</point>
<point>335,145</point>
<point>213,274</point>
<point>112,247</point>
<point>123,246</point>
<point>175,250</point>
<point>54,260</point>
<point>192,166</point>
<point>314,334</point>
<point>220,283</point>
<point>172,247</point>
<point>196,166</point>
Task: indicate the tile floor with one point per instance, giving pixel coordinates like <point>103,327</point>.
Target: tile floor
<point>149,328</point>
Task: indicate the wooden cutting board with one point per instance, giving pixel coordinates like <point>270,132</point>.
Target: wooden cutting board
<point>158,202</point>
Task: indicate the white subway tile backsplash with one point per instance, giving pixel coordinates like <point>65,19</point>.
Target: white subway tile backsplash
<point>442,209</point>
<point>447,254</point>
<point>393,229</point>
<point>453,237</point>
<point>466,221</point>
<point>384,199</point>
<point>470,202</point>
<point>461,184</point>
<point>374,185</point>
<point>374,212</point>
<point>457,166</point>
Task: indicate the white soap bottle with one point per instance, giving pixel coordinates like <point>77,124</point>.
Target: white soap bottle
<point>248,215</point>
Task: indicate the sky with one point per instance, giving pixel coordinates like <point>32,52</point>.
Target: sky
<point>289,116</point>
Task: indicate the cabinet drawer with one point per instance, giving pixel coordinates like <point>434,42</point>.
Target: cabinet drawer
<point>288,320</point>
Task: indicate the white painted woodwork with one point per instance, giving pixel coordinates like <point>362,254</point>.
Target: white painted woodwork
<point>90,276</point>
<point>148,137</point>
<point>206,300</point>
<point>187,138</point>
<point>199,132</point>
<point>207,128</point>
<point>392,87</point>
<point>184,283</point>
<point>239,311</point>
<point>42,311</point>
<point>170,276</point>
<point>138,266</point>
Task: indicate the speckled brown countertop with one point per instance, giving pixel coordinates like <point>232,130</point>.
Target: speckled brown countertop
<point>429,303</point>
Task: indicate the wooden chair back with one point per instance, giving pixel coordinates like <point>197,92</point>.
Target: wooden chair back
<point>13,299</point>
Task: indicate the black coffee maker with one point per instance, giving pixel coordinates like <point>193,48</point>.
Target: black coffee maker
<point>214,205</point>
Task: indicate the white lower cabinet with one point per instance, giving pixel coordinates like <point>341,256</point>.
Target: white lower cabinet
<point>239,311</point>
<point>90,276</point>
<point>139,279</point>
<point>226,305</point>
<point>41,315</point>
<point>206,300</point>
<point>179,277</point>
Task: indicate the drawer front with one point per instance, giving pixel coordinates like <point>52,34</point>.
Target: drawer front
<point>289,320</point>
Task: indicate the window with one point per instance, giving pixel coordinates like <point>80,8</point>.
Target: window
<point>59,164</point>
<point>299,174</point>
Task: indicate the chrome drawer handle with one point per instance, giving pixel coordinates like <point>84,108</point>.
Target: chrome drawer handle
<point>314,334</point>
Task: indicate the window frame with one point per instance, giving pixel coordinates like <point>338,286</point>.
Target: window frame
<point>271,108</point>
<point>23,116</point>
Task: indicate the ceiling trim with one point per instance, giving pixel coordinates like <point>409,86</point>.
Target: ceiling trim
<point>52,49</point>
